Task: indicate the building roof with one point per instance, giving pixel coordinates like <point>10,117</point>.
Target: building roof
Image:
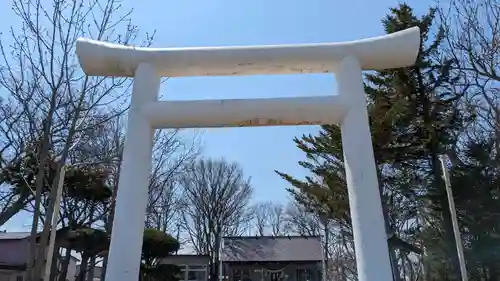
<point>272,248</point>
<point>14,235</point>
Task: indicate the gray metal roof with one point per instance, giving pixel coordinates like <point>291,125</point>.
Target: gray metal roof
<point>268,248</point>
<point>14,235</point>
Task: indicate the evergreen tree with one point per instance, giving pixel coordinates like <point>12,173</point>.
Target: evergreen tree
<point>413,119</point>
<point>157,245</point>
<point>476,190</point>
<point>85,196</point>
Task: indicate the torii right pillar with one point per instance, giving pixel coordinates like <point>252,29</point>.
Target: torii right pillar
<point>370,238</point>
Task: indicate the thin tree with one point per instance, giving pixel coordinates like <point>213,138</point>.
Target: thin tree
<point>300,221</point>
<point>172,155</point>
<point>472,38</point>
<point>215,198</point>
<point>277,220</point>
<point>269,218</point>
<point>260,217</point>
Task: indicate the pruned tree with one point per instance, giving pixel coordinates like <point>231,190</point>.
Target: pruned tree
<point>84,211</point>
<point>215,198</point>
<point>57,103</point>
<point>172,152</point>
<point>88,242</point>
<point>85,196</point>
<point>16,195</point>
<point>156,246</point>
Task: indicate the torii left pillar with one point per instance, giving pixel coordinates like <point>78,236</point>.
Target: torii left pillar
<point>132,198</point>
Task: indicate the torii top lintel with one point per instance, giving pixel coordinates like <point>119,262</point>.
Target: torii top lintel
<point>399,49</point>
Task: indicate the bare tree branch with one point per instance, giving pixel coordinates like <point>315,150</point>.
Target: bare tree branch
<point>215,196</point>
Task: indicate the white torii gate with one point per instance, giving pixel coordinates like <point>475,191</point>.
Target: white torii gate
<point>348,108</point>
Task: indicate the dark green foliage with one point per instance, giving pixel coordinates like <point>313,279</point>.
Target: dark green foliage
<point>414,118</point>
<point>84,183</point>
<point>87,183</point>
<point>327,197</point>
<point>84,239</point>
<point>89,242</point>
<point>85,186</point>
<point>156,245</point>
<point>21,173</point>
<point>476,188</point>
<point>413,110</point>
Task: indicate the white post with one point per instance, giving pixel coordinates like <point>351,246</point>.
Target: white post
<point>55,219</point>
<point>128,225</point>
<point>324,273</point>
<point>221,246</point>
<point>370,238</point>
<point>454,220</point>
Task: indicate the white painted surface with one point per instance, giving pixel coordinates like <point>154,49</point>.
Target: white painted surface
<point>389,51</point>
<point>370,238</point>
<point>55,219</point>
<point>346,59</point>
<point>246,112</point>
<point>454,219</point>
<point>128,225</point>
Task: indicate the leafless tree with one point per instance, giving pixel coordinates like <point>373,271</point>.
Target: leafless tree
<point>302,222</point>
<point>337,241</point>
<point>277,220</point>
<point>260,217</point>
<point>269,218</point>
<point>172,155</point>
<point>473,39</point>
<point>215,198</point>
<point>55,100</point>
<point>173,151</point>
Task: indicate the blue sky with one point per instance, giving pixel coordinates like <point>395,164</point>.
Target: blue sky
<point>229,22</point>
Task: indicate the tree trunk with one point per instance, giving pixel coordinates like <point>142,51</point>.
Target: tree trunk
<point>83,268</point>
<point>396,276</point>
<point>13,209</point>
<point>47,225</point>
<point>90,274</point>
<point>104,266</point>
<point>325,251</point>
<point>64,265</point>
<point>54,268</point>
<point>39,184</point>
<point>343,265</point>
<point>493,272</point>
